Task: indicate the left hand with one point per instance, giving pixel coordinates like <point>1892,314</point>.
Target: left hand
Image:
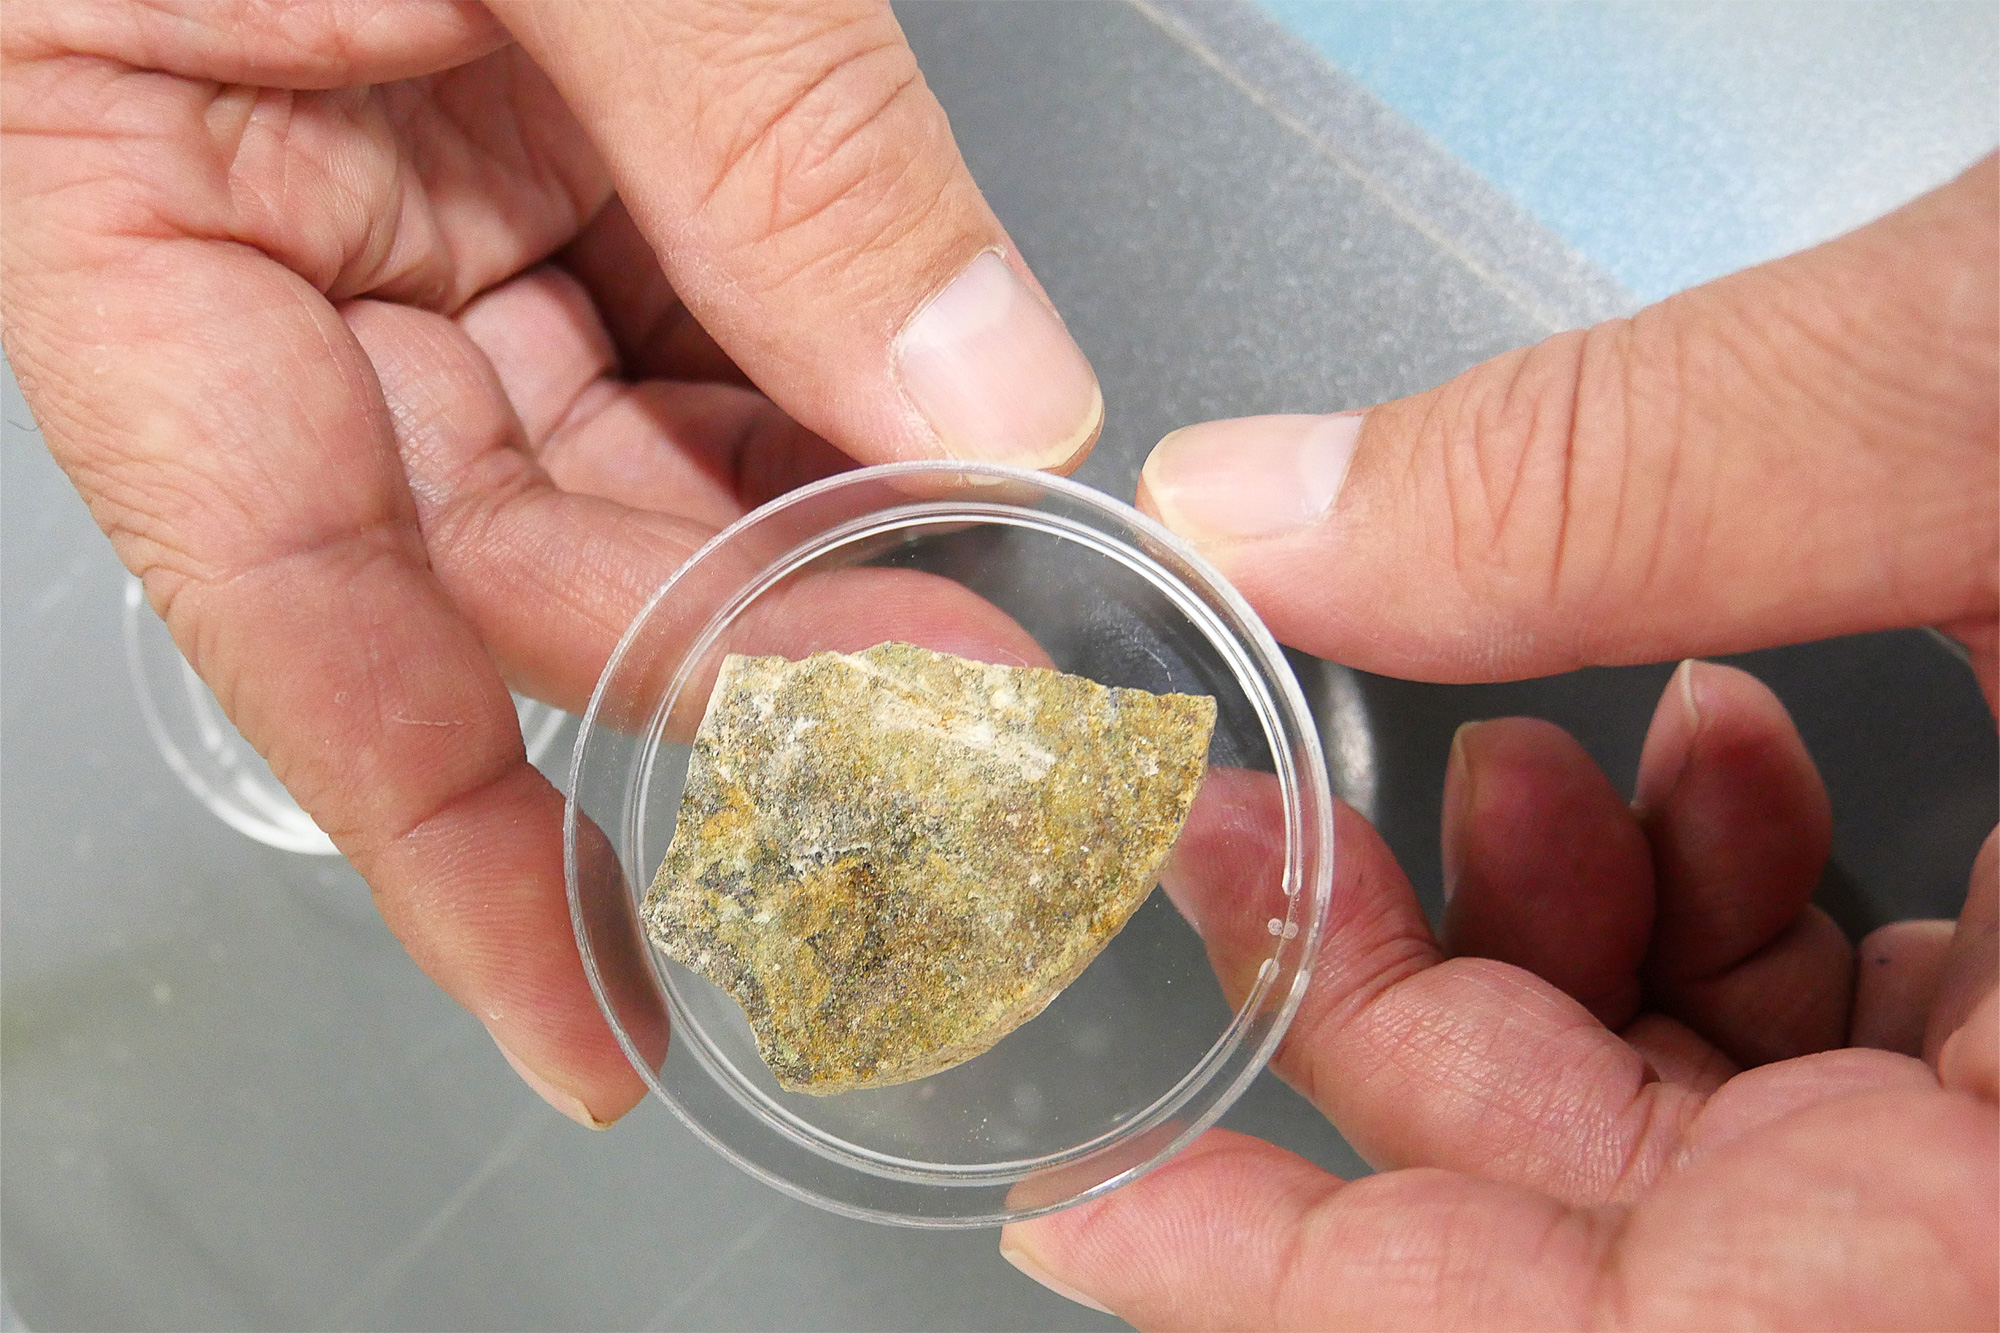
<point>1755,1142</point>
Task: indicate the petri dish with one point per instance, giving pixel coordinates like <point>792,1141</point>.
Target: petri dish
<point>211,758</point>
<point>1164,1029</point>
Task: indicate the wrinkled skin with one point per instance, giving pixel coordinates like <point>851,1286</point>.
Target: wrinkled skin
<point>1635,1079</point>
<point>403,350</point>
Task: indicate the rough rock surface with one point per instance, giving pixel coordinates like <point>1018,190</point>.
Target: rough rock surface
<point>893,858</point>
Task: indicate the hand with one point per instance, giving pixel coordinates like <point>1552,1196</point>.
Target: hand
<point>406,349</point>
<point>1636,1078</point>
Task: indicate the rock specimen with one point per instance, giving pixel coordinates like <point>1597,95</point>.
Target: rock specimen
<point>894,858</point>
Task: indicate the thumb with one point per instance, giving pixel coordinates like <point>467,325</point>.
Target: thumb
<point>806,199</point>
<point>1798,450</point>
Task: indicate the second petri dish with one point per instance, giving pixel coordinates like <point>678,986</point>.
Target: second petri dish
<point>211,758</point>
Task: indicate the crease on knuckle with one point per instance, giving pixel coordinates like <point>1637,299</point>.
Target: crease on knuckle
<point>813,152</point>
<point>1385,966</point>
<point>1650,1132</point>
<point>1539,477</point>
<point>1608,1300</point>
<point>480,514</point>
<point>1496,438</point>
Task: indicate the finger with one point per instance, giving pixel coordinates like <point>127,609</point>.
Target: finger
<point>243,463</point>
<point>1826,1218</point>
<point>1972,966</point>
<point>1466,1063</point>
<point>268,43</point>
<point>1545,868</point>
<point>706,451</point>
<point>1740,827</point>
<point>657,336</point>
<point>551,579</point>
<point>1969,1060</point>
<point>1676,1054</point>
<point>702,451</point>
<point>1896,973</point>
<point>1795,451</point>
<point>1769,1094</point>
<point>1237,1234</point>
<point>806,200</point>
<point>547,346</point>
<point>427,191</point>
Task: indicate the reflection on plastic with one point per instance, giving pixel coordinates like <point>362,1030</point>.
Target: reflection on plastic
<point>212,759</point>
<point>603,913</point>
<point>1047,1190</point>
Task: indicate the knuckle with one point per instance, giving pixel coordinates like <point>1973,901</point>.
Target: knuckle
<point>1509,434</point>
<point>1567,484</point>
<point>821,150</point>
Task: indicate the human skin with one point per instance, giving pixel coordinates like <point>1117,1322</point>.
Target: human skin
<point>331,314</point>
<point>1635,1078</point>
<point>404,349</point>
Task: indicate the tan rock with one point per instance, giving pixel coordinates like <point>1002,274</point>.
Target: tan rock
<point>894,858</point>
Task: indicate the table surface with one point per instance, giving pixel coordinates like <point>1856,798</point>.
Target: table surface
<point>1675,140</point>
<point>232,1102</point>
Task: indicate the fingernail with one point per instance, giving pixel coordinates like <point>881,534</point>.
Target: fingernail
<point>996,374</point>
<point>1251,477</point>
<point>1668,740</point>
<point>1020,1260</point>
<point>1457,800</point>
<point>568,1103</point>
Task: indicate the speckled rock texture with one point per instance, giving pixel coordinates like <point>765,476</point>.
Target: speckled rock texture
<point>894,858</point>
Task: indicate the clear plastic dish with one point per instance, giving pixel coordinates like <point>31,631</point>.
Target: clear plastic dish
<point>1145,1049</point>
<point>212,759</point>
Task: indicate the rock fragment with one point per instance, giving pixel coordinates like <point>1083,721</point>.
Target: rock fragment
<point>893,858</point>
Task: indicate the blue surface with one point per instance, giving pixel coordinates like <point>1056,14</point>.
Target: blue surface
<point>1672,142</point>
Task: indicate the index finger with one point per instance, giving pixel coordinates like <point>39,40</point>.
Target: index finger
<point>1799,450</point>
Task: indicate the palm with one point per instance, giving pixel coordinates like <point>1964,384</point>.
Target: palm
<point>424,191</point>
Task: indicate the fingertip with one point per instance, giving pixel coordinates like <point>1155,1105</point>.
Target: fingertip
<point>1142,500</point>
<point>821,224</point>
<point>1676,719</point>
<point>1897,968</point>
<point>1973,960</point>
<point>1549,870</point>
<point>1032,1268</point>
<point>1220,483</point>
<point>1740,829</point>
<point>1205,1232</point>
<point>989,365</point>
<point>1095,419</point>
<point>1969,1060</point>
<point>1721,722</point>
<point>568,1103</point>
<point>1458,799</point>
